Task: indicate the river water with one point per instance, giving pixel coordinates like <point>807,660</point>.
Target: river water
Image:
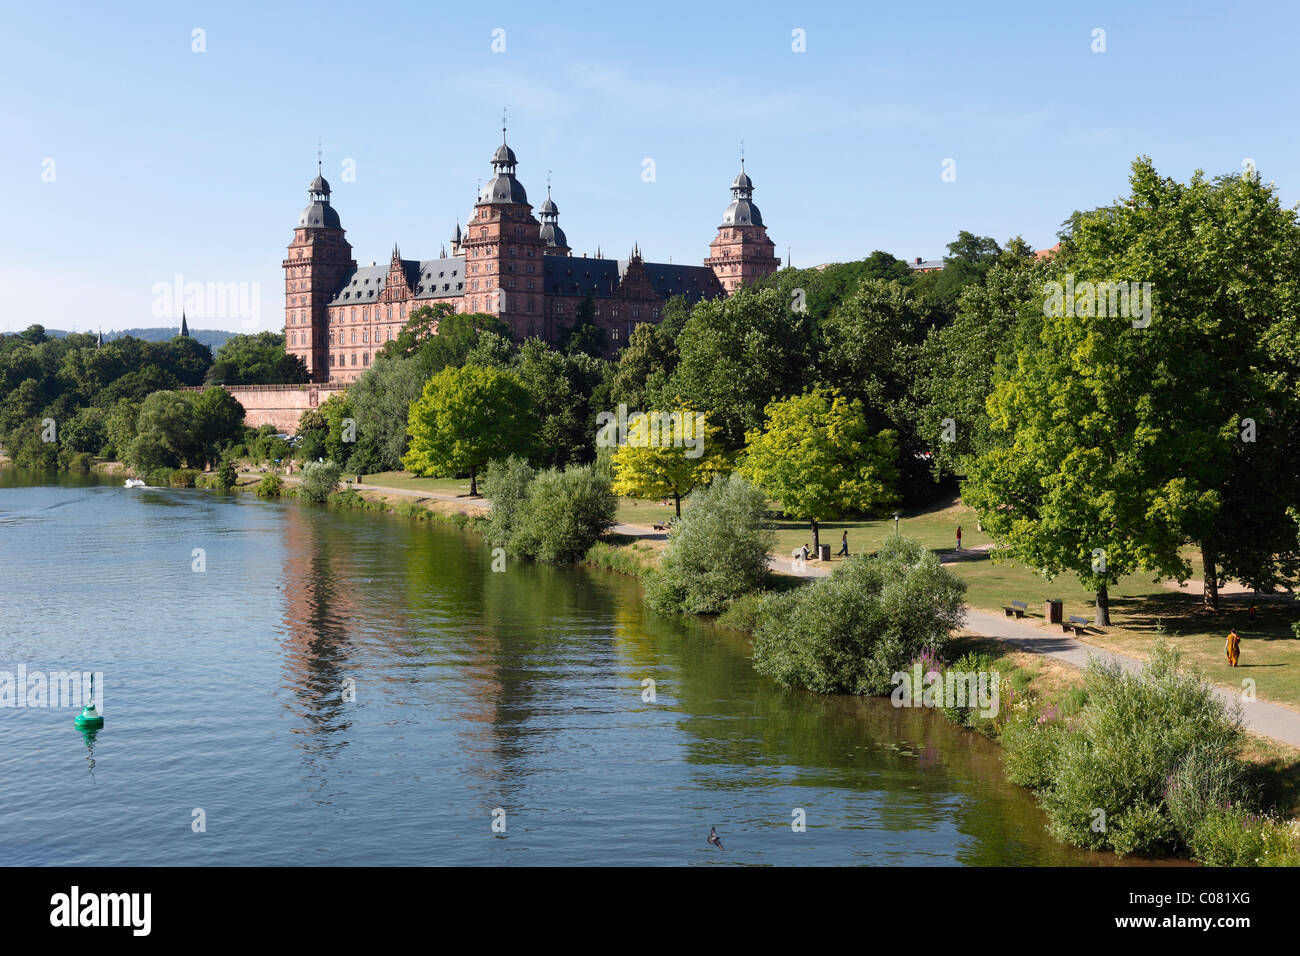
<point>350,688</point>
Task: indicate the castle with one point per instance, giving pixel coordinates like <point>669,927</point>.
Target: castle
<point>506,262</point>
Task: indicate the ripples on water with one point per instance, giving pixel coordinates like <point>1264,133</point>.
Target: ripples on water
<point>473,690</point>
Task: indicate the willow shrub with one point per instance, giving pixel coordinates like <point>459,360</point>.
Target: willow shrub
<point>320,479</point>
<point>563,515</point>
<point>1140,734</point>
<point>505,484</point>
<point>852,631</point>
<point>718,552</point>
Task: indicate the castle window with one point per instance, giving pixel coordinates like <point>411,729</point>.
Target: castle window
<point>365,358</point>
<point>331,360</point>
<point>354,358</point>
<point>354,336</point>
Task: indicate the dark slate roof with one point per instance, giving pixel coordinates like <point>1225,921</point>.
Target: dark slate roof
<point>428,278</point>
<point>361,286</point>
<point>319,215</point>
<point>577,275</point>
<point>553,235</point>
<point>694,282</point>
<point>927,264</point>
<point>436,278</point>
<point>503,188</point>
<point>742,212</point>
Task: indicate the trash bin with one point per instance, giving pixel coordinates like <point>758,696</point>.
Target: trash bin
<point>1052,610</point>
<point>824,552</point>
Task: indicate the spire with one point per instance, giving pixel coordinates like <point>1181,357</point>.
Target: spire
<point>99,341</point>
<point>442,251</point>
<point>185,329</point>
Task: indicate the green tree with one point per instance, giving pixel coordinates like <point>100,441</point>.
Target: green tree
<point>644,366</point>
<point>1119,436</point>
<point>737,355</point>
<point>667,454</point>
<point>218,422</point>
<point>464,418</point>
<point>257,359</point>
<point>818,458</point>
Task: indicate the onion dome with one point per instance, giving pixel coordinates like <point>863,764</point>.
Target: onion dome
<point>742,211</point>
<point>319,214</point>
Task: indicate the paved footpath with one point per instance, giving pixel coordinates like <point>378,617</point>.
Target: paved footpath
<point>1271,720</point>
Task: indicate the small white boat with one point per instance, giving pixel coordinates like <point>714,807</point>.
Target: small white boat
<point>135,483</point>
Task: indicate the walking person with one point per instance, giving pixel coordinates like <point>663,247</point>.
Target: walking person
<point>958,537</point>
<point>844,546</point>
<point>1233,648</point>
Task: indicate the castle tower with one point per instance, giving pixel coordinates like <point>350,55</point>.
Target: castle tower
<point>503,251</point>
<point>741,252</point>
<point>319,258</point>
<point>556,242</point>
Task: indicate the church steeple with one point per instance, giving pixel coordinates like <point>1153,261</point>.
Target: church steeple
<point>185,329</point>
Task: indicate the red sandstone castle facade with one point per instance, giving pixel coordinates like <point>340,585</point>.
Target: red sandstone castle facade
<point>508,263</point>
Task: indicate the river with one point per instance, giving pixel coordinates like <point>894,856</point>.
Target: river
<point>342,688</point>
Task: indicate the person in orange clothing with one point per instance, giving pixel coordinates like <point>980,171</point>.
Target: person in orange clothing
<point>1233,647</point>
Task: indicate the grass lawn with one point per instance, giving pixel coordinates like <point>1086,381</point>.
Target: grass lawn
<point>936,529</point>
<point>406,481</point>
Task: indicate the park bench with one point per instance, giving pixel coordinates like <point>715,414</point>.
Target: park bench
<point>1076,624</point>
<point>1018,608</point>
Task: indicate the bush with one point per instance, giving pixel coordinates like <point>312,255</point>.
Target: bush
<point>744,613</point>
<point>563,514</point>
<point>227,475</point>
<point>1031,747</point>
<point>1136,730</point>
<point>1204,779</point>
<point>850,632</point>
<point>718,552</point>
<point>1229,836</point>
<point>506,483</point>
<point>269,486</point>
<point>320,479</point>
<point>159,477</point>
<point>972,662</point>
<point>81,461</point>
<point>183,478</point>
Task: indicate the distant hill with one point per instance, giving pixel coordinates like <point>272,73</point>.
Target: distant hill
<point>212,338</point>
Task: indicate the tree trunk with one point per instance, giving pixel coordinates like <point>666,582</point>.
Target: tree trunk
<point>473,482</point>
<point>816,540</point>
<point>1103,607</point>
<point>677,500</point>
<point>1210,596</point>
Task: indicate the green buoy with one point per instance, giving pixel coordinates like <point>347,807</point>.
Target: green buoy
<point>89,718</point>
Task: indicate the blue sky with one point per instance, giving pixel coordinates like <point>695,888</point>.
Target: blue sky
<point>167,161</point>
